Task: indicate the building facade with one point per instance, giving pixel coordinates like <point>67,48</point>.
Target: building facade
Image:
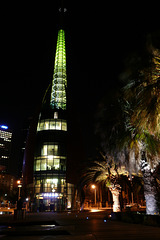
<point>8,186</point>
<point>5,148</point>
<point>50,187</point>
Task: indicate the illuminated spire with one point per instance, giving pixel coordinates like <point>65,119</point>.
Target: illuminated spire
<point>59,82</point>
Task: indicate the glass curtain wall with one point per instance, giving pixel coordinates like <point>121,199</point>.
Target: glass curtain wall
<point>52,124</point>
<point>50,158</point>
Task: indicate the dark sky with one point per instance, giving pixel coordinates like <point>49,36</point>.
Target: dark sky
<point>98,38</point>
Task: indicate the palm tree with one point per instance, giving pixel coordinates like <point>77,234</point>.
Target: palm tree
<point>143,118</point>
<point>143,93</point>
<point>128,125</point>
<point>105,171</point>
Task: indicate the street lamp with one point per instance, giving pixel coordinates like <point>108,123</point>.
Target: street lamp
<point>19,188</point>
<point>94,187</point>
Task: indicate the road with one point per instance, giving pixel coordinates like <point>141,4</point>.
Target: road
<point>86,226</point>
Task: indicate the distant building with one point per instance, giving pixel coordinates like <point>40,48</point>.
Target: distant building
<point>5,148</point>
<point>7,184</point>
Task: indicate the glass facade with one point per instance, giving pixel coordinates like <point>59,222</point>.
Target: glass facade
<point>50,185</point>
<point>5,148</point>
<point>50,164</point>
<point>50,173</point>
<point>52,124</point>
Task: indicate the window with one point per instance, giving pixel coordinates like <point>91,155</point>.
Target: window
<point>52,180</point>
<point>44,150</point>
<point>64,125</point>
<point>56,163</point>
<point>41,125</point>
<point>58,125</point>
<point>51,184</point>
<point>53,163</point>
<point>43,165</point>
<point>55,115</point>
<point>46,125</point>
<point>52,124</point>
<point>50,159</point>
<point>50,163</point>
<point>38,165</point>
<point>49,150</point>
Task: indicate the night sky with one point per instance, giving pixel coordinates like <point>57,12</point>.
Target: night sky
<point>99,37</point>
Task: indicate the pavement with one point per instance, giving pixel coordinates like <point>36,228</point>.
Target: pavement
<point>73,226</point>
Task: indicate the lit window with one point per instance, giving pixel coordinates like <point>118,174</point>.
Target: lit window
<point>56,163</point>
<point>53,125</point>
<point>64,126</point>
<point>56,124</point>
<point>50,149</point>
<point>50,163</point>
<point>46,125</point>
<point>53,181</point>
<point>44,150</point>
<point>43,165</point>
<point>38,165</point>
<point>55,149</point>
<point>55,115</point>
<point>41,125</point>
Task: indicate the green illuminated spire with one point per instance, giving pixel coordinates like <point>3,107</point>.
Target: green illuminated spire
<point>59,82</point>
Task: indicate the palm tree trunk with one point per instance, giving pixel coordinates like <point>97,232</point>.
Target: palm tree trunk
<point>150,189</point>
<point>115,195</point>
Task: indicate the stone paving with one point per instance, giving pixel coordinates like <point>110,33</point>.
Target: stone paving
<point>74,226</point>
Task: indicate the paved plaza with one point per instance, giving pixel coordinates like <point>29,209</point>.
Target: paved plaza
<point>74,226</point>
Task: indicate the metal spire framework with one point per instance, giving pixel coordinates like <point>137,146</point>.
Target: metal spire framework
<point>59,82</point>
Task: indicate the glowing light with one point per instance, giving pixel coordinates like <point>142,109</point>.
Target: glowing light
<point>19,183</point>
<point>69,204</point>
<point>96,210</point>
<point>52,180</point>
<point>51,195</point>
<point>3,127</point>
<point>48,225</point>
<point>59,83</point>
<point>93,186</point>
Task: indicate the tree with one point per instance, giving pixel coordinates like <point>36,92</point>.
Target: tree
<point>105,171</point>
<point>128,125</point>
<point>143,118</point>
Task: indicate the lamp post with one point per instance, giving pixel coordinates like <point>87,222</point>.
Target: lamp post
<point>94,187</point>
<point>19,188</point>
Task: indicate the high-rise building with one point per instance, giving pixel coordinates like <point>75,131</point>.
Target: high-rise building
<point>50,186</point>
<point>5,147</point>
